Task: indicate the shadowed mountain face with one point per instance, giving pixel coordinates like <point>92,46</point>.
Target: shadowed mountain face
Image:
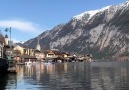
<point>103,33</point>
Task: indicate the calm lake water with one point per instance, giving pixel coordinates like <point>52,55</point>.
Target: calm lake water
<point>69,76</point>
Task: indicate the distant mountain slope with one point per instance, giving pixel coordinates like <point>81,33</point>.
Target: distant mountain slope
<point>103,33</point>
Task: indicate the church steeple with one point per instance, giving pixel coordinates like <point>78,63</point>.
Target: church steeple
<point>6,40</point>
<point>38,45</point>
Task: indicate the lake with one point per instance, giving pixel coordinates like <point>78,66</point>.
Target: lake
<point>68,76</point>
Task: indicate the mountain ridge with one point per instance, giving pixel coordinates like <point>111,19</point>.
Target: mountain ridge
<point>103,34</point>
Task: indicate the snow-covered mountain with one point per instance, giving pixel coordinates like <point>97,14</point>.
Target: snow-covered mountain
<point>89,14</point>
<point>103,32</point>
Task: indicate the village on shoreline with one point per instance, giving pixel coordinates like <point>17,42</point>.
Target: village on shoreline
<point>22,54</point>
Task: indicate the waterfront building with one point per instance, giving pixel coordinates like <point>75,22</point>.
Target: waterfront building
<point>23,50</point>
<point>55,54</point>
<point>2,46</point>
<point>22,54</point>
<point>39,55</point>
<point>8,47</point>
<point>3,57</point>
<point>50,54</point>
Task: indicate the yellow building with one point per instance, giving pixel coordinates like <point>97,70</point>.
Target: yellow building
<point>24,54</point>
<point>23,51</point>
<point>18,50</point>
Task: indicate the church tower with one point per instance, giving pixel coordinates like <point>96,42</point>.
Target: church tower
<point>38,45</point>
<point>6,40</point>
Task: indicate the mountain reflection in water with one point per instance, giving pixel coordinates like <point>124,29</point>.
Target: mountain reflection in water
<point>68,76</point>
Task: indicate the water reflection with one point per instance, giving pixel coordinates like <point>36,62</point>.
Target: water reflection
<point>110,76</point>
<point>69,76</point>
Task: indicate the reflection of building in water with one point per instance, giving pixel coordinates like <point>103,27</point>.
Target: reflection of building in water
<point>20,72</point>
<point>29,71</point>
<point>75,66</point>
<point>65,67</point>
<point>38,69</point>
<point>50,68</point>
<point>73,80</point>
<point>42,68</point>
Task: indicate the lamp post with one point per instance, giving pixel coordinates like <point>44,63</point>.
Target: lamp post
<point>9,29</point>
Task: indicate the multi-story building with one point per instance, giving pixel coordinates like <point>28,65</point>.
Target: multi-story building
<point>3,57</point>
<point>50,54</point>
<point>22,53</point>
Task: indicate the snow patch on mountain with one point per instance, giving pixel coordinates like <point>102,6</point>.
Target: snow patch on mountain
<point>90,14</point>
<point>125,4</point>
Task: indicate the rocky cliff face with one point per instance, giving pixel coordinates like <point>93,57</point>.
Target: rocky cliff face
<point>103,33</point>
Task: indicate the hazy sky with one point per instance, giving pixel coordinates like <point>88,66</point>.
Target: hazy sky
<point>29,18</point>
